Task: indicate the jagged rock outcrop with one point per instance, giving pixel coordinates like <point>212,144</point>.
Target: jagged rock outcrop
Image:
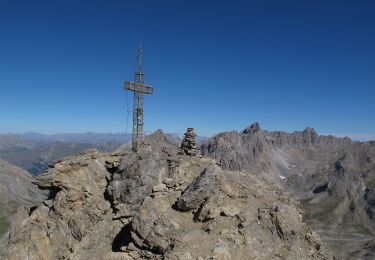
<point>330,175</point>
<point>136,175</point>
<point>224,215</point>
<point>240,151</point>
<point>158,204</point>
<point>203,188</point>
<point>75,222</point>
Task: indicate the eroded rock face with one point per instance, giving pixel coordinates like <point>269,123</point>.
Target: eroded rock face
<point>75,222</point>
<point>225,215</point>
<point>136,175</point>
<point>201,189</point>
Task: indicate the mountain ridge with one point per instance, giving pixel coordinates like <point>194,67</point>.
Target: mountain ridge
<point>151,200</point>
<point>333,177</point>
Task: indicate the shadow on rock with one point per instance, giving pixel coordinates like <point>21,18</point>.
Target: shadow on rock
<point>123,238</point>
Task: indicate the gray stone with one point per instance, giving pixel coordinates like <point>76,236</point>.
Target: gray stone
<point>206,185</point>
<point>159,187</point>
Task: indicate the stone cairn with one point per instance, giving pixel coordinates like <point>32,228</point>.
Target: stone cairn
<point>188,145</point>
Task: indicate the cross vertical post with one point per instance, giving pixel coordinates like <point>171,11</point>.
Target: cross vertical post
<point>139,88</point>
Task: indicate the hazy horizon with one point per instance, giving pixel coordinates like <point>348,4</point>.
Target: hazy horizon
<point>215,66</point>
<point>353,136</point>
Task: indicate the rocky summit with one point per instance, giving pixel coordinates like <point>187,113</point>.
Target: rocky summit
<point>160,204</point>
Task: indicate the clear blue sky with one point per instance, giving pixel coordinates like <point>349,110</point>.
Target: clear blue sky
<point>215,65</point>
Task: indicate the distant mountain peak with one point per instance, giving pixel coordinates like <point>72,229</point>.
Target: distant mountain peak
<point>252,128</point>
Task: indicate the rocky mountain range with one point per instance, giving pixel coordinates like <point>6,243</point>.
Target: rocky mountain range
<point>334,178</point>
<point>249,195</point>
<point>33,152</point>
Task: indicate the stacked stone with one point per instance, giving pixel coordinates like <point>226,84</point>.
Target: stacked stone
<point>188,145</point>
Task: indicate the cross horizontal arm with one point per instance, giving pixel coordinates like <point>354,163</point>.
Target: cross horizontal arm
<point>138,87</point>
